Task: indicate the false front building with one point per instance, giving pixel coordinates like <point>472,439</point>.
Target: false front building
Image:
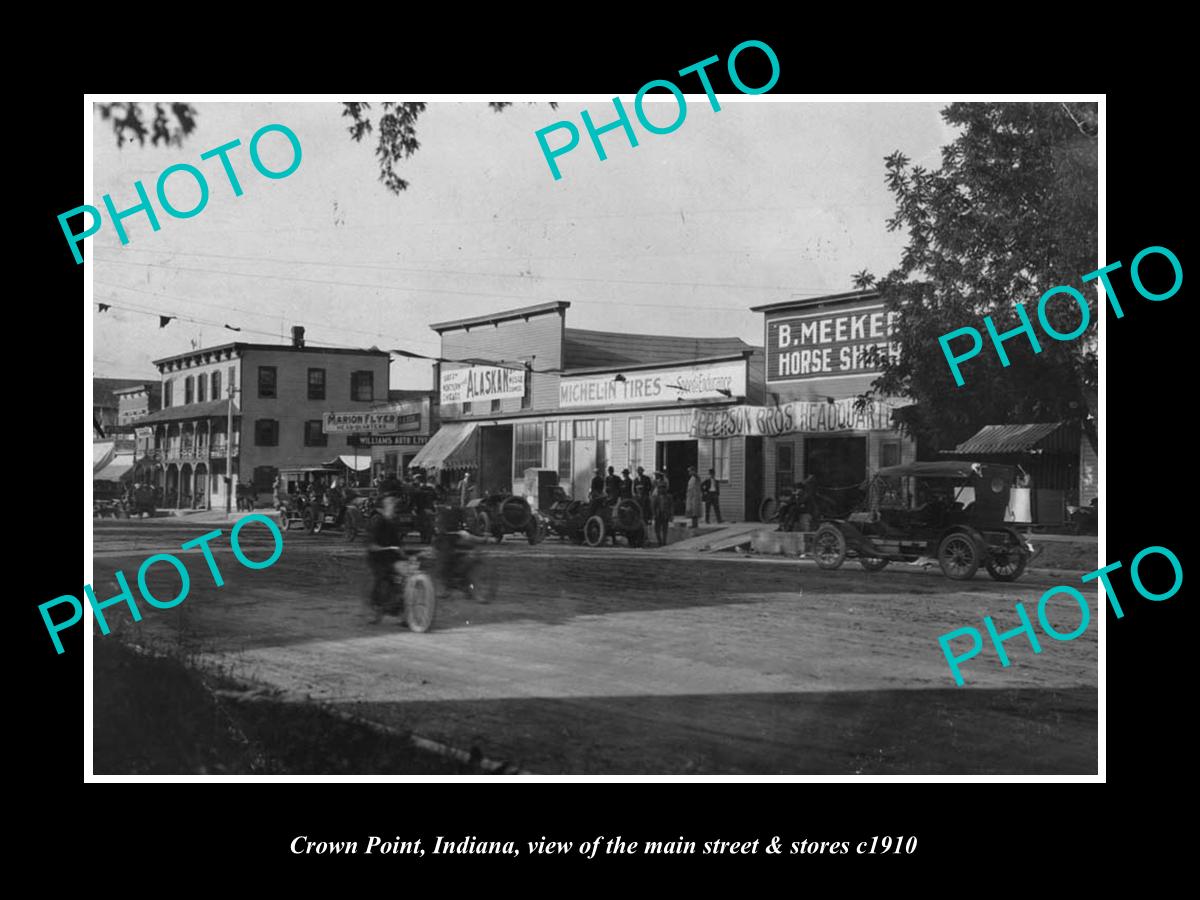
<point>520,390</point>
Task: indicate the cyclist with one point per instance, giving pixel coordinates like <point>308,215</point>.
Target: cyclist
<point>384,537</point>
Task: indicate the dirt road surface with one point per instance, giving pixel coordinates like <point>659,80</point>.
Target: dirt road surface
<point>636,661</point>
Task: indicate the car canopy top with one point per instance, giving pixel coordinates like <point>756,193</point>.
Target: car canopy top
<point>956,468</point>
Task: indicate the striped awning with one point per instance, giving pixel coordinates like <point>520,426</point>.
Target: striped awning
<point>1018,439</point>
<point>118,468</point>
<point>455,446</point>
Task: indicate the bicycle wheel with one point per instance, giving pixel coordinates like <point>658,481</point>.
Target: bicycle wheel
<point>420,602</point>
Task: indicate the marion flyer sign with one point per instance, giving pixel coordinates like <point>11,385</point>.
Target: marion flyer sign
<point>828,343</point>
<point>362,422</point>
<point>790,418</point>
<point>482,383</point>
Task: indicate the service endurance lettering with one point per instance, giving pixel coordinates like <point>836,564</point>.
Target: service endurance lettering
<point>622,120</point>
<point>145,206</point>
<point>126,596</point>
<point>1026,626</point>
<point>1026,327</point>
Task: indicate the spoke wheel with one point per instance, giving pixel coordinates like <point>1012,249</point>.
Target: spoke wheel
<point>829,547</point>
<point>958,556</point>
<point>1008,563</point>
<point>768,510</point>
<point>593,531</point>
<point>420,602</point>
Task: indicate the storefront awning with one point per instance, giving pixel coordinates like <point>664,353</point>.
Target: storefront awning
<point>455,446</point>
<point>360,463</point>
<point>102,454</point>
<point>119,468</point>
<point>1018,439</point>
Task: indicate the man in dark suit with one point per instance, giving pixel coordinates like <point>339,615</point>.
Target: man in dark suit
<point>710,491</point>
<point>612,486</point>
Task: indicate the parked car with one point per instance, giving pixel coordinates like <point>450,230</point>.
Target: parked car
<point>953,512</point>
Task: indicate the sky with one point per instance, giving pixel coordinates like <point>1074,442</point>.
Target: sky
<point>764,201</point>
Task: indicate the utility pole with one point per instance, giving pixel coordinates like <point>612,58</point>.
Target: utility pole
<point>229,453</point>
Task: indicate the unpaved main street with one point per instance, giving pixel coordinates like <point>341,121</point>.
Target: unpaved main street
<point>637,661</point>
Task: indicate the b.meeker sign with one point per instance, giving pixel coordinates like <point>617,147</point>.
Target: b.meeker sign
<point>829,342</point>
<point>792,418</point>
<point>718,381</point>
<point>473,383</point>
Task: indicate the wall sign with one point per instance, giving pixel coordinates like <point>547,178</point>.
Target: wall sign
<point>790,418</point>
<point>720,381</point>
<point>829,342</point>
<point>475,383</point>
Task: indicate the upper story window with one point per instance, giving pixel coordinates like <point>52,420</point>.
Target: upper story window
<point>201,388</point>
<point>266,381</point>
<point>314,436</point>
<point>362,385</point>
<point>466,407</point>
<point>316,384</point>
<point>216,385</point>
<point>189,388</point>
<point>266,433</point>
<point>168,392</point>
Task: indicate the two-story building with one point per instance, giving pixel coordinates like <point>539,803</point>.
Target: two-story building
<point>275,395</point>
<point>521,390</point>
<point>818,361</point>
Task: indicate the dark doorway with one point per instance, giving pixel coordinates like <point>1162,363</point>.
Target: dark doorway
<point>495,459</point>
<point>839,464</point>
<point>754,477</point>
<point>674,457</point>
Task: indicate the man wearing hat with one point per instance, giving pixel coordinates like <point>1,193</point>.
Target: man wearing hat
<point>663,504</point>
<point>643,488</point>
<point>626,484</point>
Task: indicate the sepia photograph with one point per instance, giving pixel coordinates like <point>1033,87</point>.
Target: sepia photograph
<point>684,434</point>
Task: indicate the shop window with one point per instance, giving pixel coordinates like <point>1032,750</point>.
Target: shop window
<point>201,388</point>
<point>720,458</point>
<point>674,423</point>
<point>266,432</point>
<point>566,462</point>
<point>314,436</point>
<point>316,384</point>
<point>527,447</point>
<point>362,385</point>
<point>550,448</point>
<point>889,454</point>
<point>603,443</point>
<point>216,385</point>
<point>189,388</point>
<point>266,381</point>
<point>585,428</point>
<point>635,442</point>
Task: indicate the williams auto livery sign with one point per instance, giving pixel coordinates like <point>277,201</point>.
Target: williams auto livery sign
<point>714,382</point>
<point>481,383</point>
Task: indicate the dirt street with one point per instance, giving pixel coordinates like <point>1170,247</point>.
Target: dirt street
<point>629,661</point>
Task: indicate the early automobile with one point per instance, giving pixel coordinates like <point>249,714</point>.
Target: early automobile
<point>610,520</point>
<point>565,517</point>
<point>953,512</point>
<point>499,514</point>
<point>311,497</point>
<point>416,509</point>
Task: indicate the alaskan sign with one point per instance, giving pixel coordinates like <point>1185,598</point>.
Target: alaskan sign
<point>830,342</point>
<point>475,383</point>
<point>369,422</point>
<point>798,416</point>
<point>389,440</point>
<point>721,381</point>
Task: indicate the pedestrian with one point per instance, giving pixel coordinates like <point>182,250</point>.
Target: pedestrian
<point>597,488</point>
<point>612,486</point>
<point>643,488</point>
<point>626,484</point>
<point>466,491</point>
<point>662,503</point>
<point>710,490</point>
<point>692,499</point>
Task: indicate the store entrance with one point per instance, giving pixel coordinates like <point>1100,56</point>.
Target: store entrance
<point>496,459</point>
<point>838,463</point>
<point>673,458</point>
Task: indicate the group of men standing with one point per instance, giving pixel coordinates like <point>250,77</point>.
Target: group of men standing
<point>654,496</point>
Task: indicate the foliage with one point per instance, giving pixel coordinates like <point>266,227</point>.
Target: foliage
<point>1011,213</point>
<point>129,122</point>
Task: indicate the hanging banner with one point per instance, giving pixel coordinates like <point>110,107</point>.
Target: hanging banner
<point>481,383</point>
<point>790,418</point>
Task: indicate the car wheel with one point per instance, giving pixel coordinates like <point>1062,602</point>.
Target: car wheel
<point>1007,563</point>
<point>958,556</point>
<point>310,521</point>
<point>829,547</point>
<point>768,510</point>
<point>593,531</point>
<point>420,602</point>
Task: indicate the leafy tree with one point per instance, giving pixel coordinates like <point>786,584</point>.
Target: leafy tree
<point>395,128</point>
<point>1010,213</point>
